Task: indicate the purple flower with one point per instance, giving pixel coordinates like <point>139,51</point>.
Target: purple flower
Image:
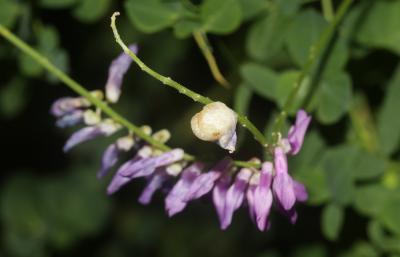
<point>175,200</point>
<point>142,167</point>
<point>104,128</point>
<point>70,119</point>
<point>297,131</point>
<point>263,196</point>
<point>205,182</point>
<point>66,105</point>
<point>154,183</point>
<point>116,72</point>
<point>251,190</point>
<point>219,194</point>
<point>234,196</point>
<point>111,154</point>
<point>283,183</point>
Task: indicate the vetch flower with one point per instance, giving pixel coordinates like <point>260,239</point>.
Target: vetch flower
<point>104,128</point>
<point>116,72</point>
<point>143,167</point>
<point>111,154</point>
<point>235,195</point>
<point>297,131</point>
<point>205,182</point>
<point>70,119</point>
<point>263,196</point>
<point>175,200</point>
<point>219,194</point>
<point>216,122</point>
<point>154,183</point>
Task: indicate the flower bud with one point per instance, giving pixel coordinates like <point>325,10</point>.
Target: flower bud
<point>216,122</point>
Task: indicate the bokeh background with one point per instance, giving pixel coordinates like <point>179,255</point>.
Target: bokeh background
<point>51,203</point>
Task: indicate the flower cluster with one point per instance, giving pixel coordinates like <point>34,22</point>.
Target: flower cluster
<point>229,186</point>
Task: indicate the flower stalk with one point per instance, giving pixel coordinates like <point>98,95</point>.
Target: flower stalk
<point>179,87</point>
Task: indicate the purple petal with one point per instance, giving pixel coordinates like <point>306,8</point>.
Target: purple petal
<point>205,182</point>
<point>228,142</point>
<point>291,214</point>
<point>116,183</point>
<point>82,135</point>
<point>87,133</point>
<point>70,119</point>
<point>219,194</point>
<point>154,183</point>
<point>66,105</point>
<point>283,184</point>
<point>110,158</point>
<point>263,196</point>
<point>235,195</point>
<point>174,202</point>
<point>145,166</point>
<point>300,191</point>
<point>116,72</point>
<point>298,131</point>
<point>250,200</point>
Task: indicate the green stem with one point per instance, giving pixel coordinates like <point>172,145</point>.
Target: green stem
<point>42,60</point>
<point>202,43</point>
<point>313,56</point>
<point>180,88</point>
<point>327,10</point>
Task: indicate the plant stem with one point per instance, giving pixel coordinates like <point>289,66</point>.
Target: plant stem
<point>327,10</point>
<point>202,43</point>
<point>313,57</point>
<point>42,60</point>
<point>181,89</point>
<point>75,86</point>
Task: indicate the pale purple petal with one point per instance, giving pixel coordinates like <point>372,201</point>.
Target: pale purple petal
<point>205,182</point>
<point>300,191</point>
<point>228,142</point>
<point>263,196</point>
<point>70,119</point>
<point>116,72</point>
<point>219,194</point>
<point>66,105</point>
<point>82,135</point>
<point>145,166</point>
<point>174,202</point>
<point>250,201</point>
<point>87,133</point>
<point>235,195</point>
<point>298,131</point>
<point>155,182</point>
<point>283,184</point>
<point>110,158</point>
<point>116,183</point>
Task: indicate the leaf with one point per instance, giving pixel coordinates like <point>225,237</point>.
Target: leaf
<point>332,221</point>
<point>287,81</point>
<point>380,27</point>
<point>388,123</point>
<point>57,4</point>
<point>303,32</point>
<point>28,66</point>
<point>369,166</point>
<point>266,36</point>
<point>251,8</point>
<point>261,79</point>
<point>220,16</point>
<point>184,28</point>
<point>91,10</point>
<point>334,97</point>
<point>369,199</point>
<point>339,167</point>
<point>389,215</point>
<point>242,99</point>
<point>150,16</point>
<point>13,97</point>
<point>9,12</point>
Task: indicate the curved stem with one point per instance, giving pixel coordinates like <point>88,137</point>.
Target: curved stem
<point>75,86</point>
<point>179,87</point>
<point>202,43</point>
<point>313,56</point>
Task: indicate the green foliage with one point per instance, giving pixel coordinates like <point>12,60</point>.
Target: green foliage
<point>332,221</point>
<point>13,97</point>
<point>91,10</point>
<point>381,26</point>
<point>9,12</point>
<point>220,17</point>
<point>261,79</point>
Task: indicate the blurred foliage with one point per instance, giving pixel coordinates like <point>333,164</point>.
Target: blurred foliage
<point>52,204</point>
